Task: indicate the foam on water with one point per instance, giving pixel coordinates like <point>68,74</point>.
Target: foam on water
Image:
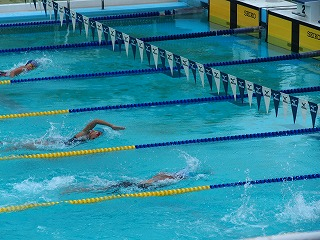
<point>192,162</point>
<point>31,186</point>
<point>247,215</point>
<point>107,182</point>
<point>52,139</point>
<point>34,190</point>
<point>298,210</point>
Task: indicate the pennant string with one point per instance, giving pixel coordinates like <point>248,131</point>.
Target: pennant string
<point>185,63</point>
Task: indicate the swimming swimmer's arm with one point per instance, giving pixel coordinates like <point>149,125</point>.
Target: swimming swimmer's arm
<point>21,69</point>
<point>93,123</point>
<point>17,71</point>
<point>159,177</point>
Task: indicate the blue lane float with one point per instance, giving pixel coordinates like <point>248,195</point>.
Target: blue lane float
<point>267,59</point>
<point>146,39</point>
<point>101,18</point>
<point>268,180</point>
<point>234,137</point>
<point>182,101</point>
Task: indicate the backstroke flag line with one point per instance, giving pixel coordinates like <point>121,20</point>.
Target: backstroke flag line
<point>186,64</point>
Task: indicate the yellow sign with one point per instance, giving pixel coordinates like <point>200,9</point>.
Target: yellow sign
<point>279,31</point>
<point>219,12</point>
<point>247,17</point>
<point>309,39</point>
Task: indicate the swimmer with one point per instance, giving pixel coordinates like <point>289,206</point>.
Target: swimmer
<point>88,133</point>
<point>183,174</point>
<point>151,182</point>
<point>30,65</point>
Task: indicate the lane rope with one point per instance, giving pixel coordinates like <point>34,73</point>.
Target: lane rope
<point>67,153</point>
<point>101,18</point>
<point>161,69</point>
<point>163,144</point>
<point>160,193</point>
<point>146,39</point>
<point>148,104</point>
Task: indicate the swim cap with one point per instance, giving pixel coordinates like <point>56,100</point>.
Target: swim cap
<point>99,129</point>
<point>33,62</point>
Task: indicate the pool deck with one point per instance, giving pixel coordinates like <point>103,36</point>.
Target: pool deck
<point>26,12</point>
<point>285,8</point>
<point>291,236</point>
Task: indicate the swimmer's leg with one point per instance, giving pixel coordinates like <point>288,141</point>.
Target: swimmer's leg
<point>73,190</point>
<point>17,146</point>
<point>114,187</point>
<point>124,184</point>
<point>31,145</point>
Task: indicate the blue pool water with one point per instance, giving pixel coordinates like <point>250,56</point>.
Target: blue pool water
<point>226,213</point>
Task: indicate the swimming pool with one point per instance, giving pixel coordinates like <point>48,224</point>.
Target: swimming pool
<point>222,213</point>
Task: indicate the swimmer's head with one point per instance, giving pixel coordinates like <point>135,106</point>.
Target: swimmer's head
<point>95,133</point>
<point>33,63</point>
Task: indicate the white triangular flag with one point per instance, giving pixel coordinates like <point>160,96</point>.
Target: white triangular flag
<point>50,7</point>
<point>266,96</point>
<point>39,4</point>
<point>285,102</point>
<point>233,84</point>
<point>73,19</point>
<point>99,30</point>
<point>170,60</point>
<point>201,72</point>
<point>155,53</point>
<point>141,48</point>
<point>216,75</point>
<point>86,24</point>
<point>61,14</point>
<point>249,86</point>
<point>185,64</point>
<point>112,33</point>
<point>126,40</point>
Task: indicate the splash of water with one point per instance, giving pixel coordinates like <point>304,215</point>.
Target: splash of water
<point>193,163</point>
<point>111,133</point>
<point>52,139</point>
<point>44,62</point>
<point>299,210</point>
<point>30,186</point>
<point>246,215</point>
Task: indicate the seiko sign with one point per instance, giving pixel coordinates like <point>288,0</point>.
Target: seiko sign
<point>250,14</point>
<point>313,35</point>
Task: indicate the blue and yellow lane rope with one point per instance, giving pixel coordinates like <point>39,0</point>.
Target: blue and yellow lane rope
<point>68,153</point>
<point>33,114</point>
<point>147,104</point>
<point>161,144</point>
<point>3,82</point>
<point>161,193</point>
